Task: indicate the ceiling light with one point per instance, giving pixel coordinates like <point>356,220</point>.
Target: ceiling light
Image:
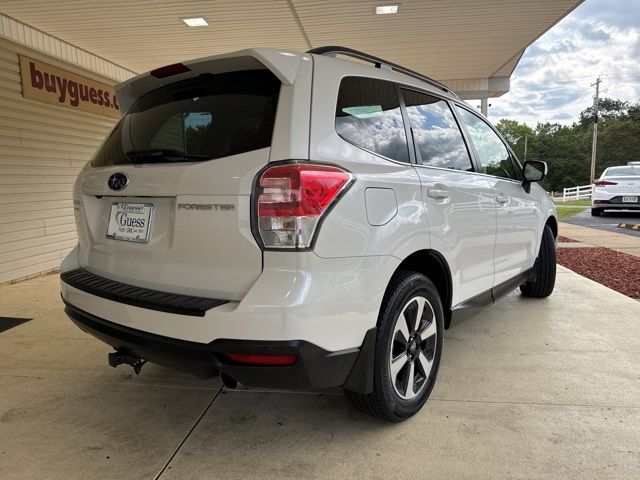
<point>386,9</point>
<point>195,22</point>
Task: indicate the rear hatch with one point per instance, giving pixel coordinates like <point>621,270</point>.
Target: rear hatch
<point>165,202</point>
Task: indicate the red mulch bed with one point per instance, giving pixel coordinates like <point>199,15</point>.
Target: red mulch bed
<point>566,239</point>
<point>618,271</point>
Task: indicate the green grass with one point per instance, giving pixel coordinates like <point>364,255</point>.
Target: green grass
<point>572,207</point>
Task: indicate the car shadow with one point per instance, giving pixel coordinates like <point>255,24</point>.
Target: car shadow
<point>621,214</point>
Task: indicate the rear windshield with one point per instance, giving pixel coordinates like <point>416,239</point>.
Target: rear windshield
<point>623,172</point>
<point>207,117</point>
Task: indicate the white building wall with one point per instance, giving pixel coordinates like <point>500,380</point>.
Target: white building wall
<point>42,149</point>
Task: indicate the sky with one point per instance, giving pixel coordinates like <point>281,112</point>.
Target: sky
<point>552,82</point>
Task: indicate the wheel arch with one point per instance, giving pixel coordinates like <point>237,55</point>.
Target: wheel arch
<point>434,266</point>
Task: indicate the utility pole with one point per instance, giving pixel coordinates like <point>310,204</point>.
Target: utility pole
<point>526,137</point>
<point>594,145</point>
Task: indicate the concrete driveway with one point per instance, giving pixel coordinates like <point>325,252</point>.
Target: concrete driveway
<point>603,237</point>
<point>527,389</point>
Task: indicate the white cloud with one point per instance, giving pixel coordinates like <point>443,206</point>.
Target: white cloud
<point>553,79</point>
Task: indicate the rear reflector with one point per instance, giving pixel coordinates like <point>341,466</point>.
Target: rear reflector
<point>292,200</point>
<point>271,360</point>
<point>170,70</point>
<point>604,183</point>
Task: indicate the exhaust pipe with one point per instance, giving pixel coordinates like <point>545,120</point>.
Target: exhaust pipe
<point>228,381</point>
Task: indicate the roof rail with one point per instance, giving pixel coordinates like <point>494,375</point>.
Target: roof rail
<point>333,51</point>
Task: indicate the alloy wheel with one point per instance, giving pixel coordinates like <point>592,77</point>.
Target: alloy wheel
<point>413,348</point>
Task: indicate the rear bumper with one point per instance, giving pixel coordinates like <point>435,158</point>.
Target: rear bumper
<point>617,206</point>
<point>612,201</point>
<point>330,303</point>
<point>313,369</point>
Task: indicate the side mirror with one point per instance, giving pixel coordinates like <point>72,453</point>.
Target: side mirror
<point>534,171</point>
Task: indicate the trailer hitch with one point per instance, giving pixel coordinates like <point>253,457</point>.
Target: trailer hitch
<point>119,357</point>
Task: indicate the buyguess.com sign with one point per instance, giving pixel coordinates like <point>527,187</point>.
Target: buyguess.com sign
<point>46,83</point>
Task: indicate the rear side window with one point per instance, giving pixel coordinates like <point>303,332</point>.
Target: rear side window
<point>207,117</point>
<point>439,142</point>
<point>368,115</point>
<point>493,155</point>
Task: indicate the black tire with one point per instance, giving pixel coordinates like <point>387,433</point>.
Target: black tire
<point>404,293</point>
<point>545,268</point>
<point>596,212</point>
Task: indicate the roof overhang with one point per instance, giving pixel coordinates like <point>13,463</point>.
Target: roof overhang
<point>475,88</point>
<point>471,46</point>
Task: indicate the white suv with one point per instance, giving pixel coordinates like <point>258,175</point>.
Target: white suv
<point>294,220</point>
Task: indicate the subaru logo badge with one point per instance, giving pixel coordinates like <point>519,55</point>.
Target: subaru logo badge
<point>118,181</point>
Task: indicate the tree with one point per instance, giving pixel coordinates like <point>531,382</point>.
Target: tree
<point>561,147</point>
<point>567,149</point>
<point>607,109</point>
<point>618,144</point>
<point>515,133</point>
<point>633,112</point>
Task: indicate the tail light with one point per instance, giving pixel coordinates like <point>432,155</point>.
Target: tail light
<point>293,198</point>
<point>604,183</point>
<point>267,360</point>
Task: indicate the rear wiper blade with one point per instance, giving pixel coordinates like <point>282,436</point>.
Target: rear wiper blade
<point>162,155</point>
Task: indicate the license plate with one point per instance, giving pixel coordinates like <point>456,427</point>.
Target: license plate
<point>130,222</point>
<point>629,199</point>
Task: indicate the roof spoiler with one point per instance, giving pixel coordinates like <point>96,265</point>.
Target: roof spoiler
<point>282,63</point>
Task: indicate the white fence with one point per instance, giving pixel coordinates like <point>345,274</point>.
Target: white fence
<point>575,193</point>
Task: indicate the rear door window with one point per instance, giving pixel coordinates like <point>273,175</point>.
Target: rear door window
<point>368,115</point>
<point>207,117</point>
<point>437,136</point>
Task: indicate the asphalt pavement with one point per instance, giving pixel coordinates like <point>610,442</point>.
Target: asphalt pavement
<point>607,221</point>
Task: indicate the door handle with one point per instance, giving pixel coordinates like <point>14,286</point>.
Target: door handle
<point>501,198</point>
<point>438,193</point>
